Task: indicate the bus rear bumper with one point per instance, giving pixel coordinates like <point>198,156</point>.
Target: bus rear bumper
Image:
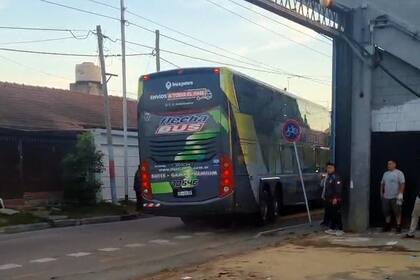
<point>216,206</point>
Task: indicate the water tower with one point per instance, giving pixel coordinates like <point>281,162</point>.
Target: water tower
<point>88,79</point>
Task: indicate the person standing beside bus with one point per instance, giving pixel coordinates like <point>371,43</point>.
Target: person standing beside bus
<point>333,190</point>
<point>136,188</point>
<point>392,189</point>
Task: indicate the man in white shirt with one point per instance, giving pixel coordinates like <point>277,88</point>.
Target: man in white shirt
<point>392,190</point>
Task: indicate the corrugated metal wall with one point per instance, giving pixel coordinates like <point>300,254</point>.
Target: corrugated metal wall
<point>31,162</point>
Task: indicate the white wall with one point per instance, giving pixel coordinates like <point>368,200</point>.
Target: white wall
<point>394,109</point>
<point>133,161</point>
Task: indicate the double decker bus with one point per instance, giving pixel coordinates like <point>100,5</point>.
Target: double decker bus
<point>210,145</point>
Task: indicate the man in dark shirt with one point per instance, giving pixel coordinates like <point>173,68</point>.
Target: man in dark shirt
<point>333,188</point>
<point>136,188</point>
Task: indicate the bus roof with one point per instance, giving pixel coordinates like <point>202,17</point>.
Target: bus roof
<point>192,70</point>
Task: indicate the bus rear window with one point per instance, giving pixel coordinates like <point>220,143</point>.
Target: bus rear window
<point>169,93</point>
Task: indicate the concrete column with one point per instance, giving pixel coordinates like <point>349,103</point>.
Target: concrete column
<point>359,191</point>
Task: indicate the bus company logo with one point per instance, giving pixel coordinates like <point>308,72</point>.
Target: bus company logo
<point>195,94</point>
<point>170,84</point>
<point>181,124</point>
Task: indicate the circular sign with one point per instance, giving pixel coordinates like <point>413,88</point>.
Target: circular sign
<point>292,131</point>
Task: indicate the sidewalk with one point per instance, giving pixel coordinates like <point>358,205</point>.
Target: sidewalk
<point>42,218</point>
<point>317,256</point>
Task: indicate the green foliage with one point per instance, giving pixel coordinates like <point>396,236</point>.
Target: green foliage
<point>80,170</point>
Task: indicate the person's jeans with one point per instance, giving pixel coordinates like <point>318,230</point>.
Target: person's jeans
<point>415,217</point>
<point>334,212</point>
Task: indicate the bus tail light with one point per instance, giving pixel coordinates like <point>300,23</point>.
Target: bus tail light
<point>226,186</point>
<point>146,186</point>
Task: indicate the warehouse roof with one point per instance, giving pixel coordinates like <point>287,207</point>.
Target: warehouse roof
<point>24,107</point>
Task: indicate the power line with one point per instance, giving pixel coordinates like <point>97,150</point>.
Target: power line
<point>71,31</point>
<point>43,29</point>
<point>227,64</point>
<point>32,68</point>
<point>265,28</point>
<point>259,63</point>
<point>79,10</point>
<point>37,41</point>
<point>104,4</point>
<point>67,54</point>
<point>164,35</point>
<point>170,63</point>
<point>49,40</point>
<point>279,22</point>
<point>202,59</point>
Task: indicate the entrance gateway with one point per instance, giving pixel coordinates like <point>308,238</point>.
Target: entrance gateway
<point>376,91</point>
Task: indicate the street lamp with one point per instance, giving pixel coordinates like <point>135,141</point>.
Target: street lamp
<point>326,3</point>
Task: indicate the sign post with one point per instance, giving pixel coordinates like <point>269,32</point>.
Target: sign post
<point>292,132</point>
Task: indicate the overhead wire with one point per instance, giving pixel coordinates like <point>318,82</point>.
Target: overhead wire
<point>271,68</point>
<point>169,62</point>
<point>175,53</point>
<point>32,68</point>
<point>36,41</point>
<point>226,64</point>
<point>267,29</point>
<point>67,54</point>
<point>43,29</point>
<point>281,23</point>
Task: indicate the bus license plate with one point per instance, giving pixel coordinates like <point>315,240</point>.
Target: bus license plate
<point>184,193</point>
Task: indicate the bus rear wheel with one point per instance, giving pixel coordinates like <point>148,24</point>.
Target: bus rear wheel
<point>267,210</point>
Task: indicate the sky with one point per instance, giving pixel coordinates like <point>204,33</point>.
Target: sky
<point>258,45</point>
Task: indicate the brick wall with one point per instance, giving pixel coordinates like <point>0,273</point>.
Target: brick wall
<point>394,107</point>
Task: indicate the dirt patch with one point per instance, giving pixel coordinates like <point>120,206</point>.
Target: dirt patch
<point>302,260</point>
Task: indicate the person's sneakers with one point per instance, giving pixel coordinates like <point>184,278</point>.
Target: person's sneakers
<point>409,236</point>
<point>386,228</point>
<point>330,231</point>
<point>339,233</point>
<point>398,230</point>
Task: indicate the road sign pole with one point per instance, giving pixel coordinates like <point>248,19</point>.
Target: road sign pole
<point>302,182</point>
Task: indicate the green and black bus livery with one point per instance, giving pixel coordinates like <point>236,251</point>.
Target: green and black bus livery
<point>210,144</point>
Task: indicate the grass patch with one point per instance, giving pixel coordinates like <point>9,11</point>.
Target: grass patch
<point>88,211</point>
<point>20,218</point>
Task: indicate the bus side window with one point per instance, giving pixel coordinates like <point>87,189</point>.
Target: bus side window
<point>288,161</point>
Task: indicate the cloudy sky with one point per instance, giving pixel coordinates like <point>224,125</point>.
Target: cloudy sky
<point>253,41</point>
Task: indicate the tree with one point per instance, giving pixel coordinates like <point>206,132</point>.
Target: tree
<point>80,169</point>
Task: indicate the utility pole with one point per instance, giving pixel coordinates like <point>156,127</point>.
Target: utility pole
<point>124,88</point>
<point>107,116</point>
<point>157,50</point>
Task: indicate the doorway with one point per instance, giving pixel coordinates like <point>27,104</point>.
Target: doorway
<point>404,147</point>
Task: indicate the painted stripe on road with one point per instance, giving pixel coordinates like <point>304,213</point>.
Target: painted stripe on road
<point>79,254</point>
<point>43,260</point>
<point>9,266</point>
<point>108,249</point>
<point>134,245</point>
<point>203,233</point>
<point>161,242</point>
<point>181,237</point>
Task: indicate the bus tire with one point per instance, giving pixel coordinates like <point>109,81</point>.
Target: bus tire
<point>266,209</point>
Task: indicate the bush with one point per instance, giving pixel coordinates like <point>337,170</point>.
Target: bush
<point>79,169</point>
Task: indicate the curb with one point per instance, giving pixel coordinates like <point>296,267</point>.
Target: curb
<point>23,228</point>
<point>71,223</point>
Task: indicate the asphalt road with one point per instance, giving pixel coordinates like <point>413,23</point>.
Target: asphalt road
<point>120,250</point>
